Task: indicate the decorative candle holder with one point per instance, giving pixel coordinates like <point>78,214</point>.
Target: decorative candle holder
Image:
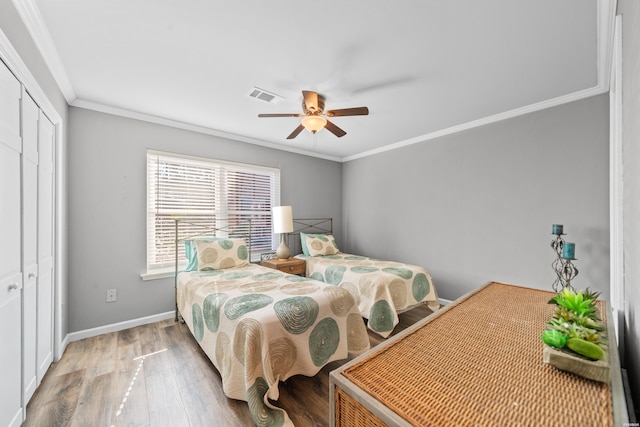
<point>557,244</point>
<point>567,274</point>
<point>563,267</point>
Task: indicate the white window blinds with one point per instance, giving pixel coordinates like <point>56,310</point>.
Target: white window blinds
<point>206,194</point>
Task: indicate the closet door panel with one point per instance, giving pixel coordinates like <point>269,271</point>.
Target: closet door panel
<point>9,109</point>
<point>44,343</point>
<point>10,252</point>
<point>45,292</point>
<point>30,114</point>
<point>10,356</point>
<point>45,188</point>
<point>9,211</point>
<point>10,149</point>
<point>29,319</point>
<point>30,276</point>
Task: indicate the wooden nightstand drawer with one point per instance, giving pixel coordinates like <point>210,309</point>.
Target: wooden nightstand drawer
<point>291,265</point>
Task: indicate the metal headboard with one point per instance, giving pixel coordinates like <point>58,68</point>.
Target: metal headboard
<point>231,227</point>
<point>309,226</point>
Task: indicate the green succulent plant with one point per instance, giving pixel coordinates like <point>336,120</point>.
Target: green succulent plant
<point>576,316</point>
<point>586,348</point>
<point>569,316</point>
<point>573,330</point>
<point>580,303</point>
<point>554,338</point>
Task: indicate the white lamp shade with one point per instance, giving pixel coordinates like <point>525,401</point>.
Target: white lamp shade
<point>282,219</point>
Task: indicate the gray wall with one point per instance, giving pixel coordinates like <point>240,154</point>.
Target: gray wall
<point>630,11</point>
<point>13,27</point>
<point>107,207</point>
<point>478,205</point>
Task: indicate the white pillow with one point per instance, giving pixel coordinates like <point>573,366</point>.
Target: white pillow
<point>217,254</point>
<point>320,244</point>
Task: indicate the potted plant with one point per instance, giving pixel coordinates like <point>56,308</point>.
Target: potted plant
<point>574,336</point>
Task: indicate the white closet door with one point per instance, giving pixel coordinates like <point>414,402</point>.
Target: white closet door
<point>10,183</point>
<point>30,114</point>
<point>45,246</point>
<point>10,352</point>
<point>10,252</point>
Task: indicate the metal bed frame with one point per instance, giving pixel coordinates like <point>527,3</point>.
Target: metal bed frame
<point>300,225</point>
<point>309,226</point>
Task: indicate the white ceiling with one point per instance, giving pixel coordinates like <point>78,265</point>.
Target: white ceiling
<point>424,68</point>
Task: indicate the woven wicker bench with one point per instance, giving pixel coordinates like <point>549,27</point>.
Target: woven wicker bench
<point>476,362</point>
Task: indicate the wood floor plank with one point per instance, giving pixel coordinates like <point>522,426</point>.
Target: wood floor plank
<point>174,337</point>
<point>150,338</point>
<point>165,404</point>
<point>104,352</point>
<point>187,371</point>
<point>129,388</point>
<point>157,362</point>
<point>128,336</point>
<point>201,408</point>
<point>96,406</point>
<point>157,375</point>
<point>233,412</point>
<point>127,356</point>
<point>304,402</point>
<point>55,401</point>
<point>76,356</point>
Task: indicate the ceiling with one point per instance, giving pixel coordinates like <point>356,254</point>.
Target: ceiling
<point>424,68</point>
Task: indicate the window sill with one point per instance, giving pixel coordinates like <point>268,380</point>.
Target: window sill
<point>161,273</point>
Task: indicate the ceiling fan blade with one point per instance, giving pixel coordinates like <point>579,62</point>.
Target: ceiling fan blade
<point>296,132</point>
<point>334,129</point>
<point>280,115</point>
<point>356,111</point>
<point>312,102</point>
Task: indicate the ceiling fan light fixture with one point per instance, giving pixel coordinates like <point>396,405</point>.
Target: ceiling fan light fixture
<point>313,117</point>
<point>313,123</point>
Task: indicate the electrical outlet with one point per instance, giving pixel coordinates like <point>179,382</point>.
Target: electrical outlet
<point>111,295</point>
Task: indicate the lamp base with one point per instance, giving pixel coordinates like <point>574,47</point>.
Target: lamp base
<point>283,252</point>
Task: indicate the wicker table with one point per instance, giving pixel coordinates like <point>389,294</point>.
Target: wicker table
<point>476,362</point>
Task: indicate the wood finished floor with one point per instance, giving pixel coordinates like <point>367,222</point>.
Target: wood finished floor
<point>157,375</point>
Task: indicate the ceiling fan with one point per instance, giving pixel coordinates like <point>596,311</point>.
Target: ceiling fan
<point>314,119</point>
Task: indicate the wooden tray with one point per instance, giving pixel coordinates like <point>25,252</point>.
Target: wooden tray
<point>597,370</point>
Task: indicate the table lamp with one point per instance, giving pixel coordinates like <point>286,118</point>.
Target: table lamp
<point>282,223</point>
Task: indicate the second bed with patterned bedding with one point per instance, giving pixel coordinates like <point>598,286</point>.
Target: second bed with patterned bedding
<point>382,289</point>
<point>260,326</point>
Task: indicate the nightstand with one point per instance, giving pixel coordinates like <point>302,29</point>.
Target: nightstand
<point>291,265</point>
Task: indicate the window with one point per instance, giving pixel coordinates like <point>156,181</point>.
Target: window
<point>205,194</point>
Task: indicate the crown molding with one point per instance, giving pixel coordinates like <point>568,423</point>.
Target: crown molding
<point>605,16</point>
<point>122,112</point>
<point>30,14</point>
<point>596,90</point>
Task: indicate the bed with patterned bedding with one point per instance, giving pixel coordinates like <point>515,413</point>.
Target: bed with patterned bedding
<point>382,289</point>
<point>260,326</point>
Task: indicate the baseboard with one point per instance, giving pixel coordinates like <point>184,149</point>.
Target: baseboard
<point>63,347</point>
<point>444,301</point>
<point>114,327</point>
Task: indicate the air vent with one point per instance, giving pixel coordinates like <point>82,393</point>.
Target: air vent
<point>266,96</point>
